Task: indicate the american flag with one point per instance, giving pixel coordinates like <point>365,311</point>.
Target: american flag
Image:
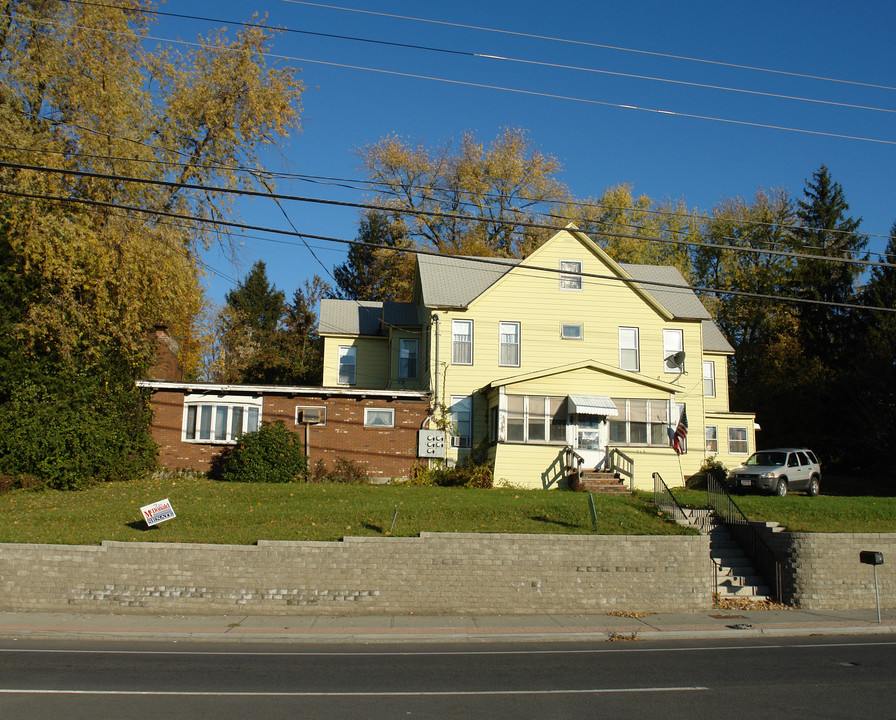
<point>681,433</point>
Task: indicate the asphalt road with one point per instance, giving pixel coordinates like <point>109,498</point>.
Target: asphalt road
<point>839,677</point>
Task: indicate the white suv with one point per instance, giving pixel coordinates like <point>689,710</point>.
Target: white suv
<point>777,471</point>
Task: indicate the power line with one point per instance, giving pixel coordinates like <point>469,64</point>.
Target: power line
<point>519,91</point>
<point>595,45</point>
<point>427,213</point>
<point>488,56</point>
<point>417,251</point>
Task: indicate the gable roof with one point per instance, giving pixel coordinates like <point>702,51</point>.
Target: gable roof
<point>714,340</point>
<point>361,317</point>
<point>670,289</point>
<point>454,281</point>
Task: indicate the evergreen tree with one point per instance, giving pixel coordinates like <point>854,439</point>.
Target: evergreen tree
<point>371,271</point>
<point>251,319</point>
<point>826,229</point>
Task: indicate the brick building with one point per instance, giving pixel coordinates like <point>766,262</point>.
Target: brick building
<point>193,422</point>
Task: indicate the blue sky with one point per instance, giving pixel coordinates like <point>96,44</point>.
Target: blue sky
<point>578,115</point>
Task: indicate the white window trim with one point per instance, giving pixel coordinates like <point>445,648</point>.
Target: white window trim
<point>571,280</point>
<point>458,440</point>
<point>455,343</point>
<point>746,440</point>
<point>518,344</point>
<point>623,405</point>
<point>715,438</point>
<point>580,326</point>
<point>636,348</point>
<point>199,400</point>
<point>670,348</point>
<point>390,411</point>
<point>711,366</point>
<point>347,351</point>
<point>416,346</point>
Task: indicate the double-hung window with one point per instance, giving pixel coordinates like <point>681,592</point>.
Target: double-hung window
<point>709,378</point>
<point>348,357</point>
<point>509,344</point>
<point>737,440</point>
<point>712,438</point>
<point>570,275</point>
<point>461,342</point>
<point>462,419</point>
<point>629,353</point>
<point>220,420</point>
<point>407,358</point>
<point>673,342</point>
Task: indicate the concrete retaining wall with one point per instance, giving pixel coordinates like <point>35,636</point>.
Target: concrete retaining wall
<point>435,573</point>
<point>822,570</point>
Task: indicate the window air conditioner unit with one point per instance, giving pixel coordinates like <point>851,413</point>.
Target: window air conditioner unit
<point>460,442</point>
<point>311,416</point>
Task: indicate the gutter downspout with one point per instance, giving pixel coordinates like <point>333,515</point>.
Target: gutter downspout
<point>435,365</point>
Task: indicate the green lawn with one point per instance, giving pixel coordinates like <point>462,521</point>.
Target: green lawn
<point>239,513</point>
<point>846,509</point>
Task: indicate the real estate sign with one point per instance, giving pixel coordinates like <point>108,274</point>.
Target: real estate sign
<point>157,512</point>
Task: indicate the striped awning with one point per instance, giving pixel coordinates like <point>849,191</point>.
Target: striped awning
<point>592,405</point>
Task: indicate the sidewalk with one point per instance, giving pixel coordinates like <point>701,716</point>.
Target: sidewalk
<point>442,628</point>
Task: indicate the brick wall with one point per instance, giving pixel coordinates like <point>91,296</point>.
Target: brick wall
<point>435,573</point>
<point>385,452</point>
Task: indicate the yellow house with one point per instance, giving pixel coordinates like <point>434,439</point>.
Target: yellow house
<point>565,356</point>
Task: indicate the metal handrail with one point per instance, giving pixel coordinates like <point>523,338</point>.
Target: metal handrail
<point>745,534</point>
<point>663,498</point>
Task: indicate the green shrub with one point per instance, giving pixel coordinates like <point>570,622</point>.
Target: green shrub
<point>273,454</point>
<point>468,474</point>
<point>74,429</point>
<point>347,472</point>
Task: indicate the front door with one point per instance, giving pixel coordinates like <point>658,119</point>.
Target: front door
<point>591,439</point>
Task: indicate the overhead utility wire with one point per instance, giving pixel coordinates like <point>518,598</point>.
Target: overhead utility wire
<point>586,43</point>
<point>427,213</point>
<point>346,183</point>
<point>352,184</point>
<point>488,56</point>
<point>416,251</point>
<point>533,93</point>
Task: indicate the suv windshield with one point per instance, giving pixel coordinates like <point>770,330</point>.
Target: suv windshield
<point>774,459</point>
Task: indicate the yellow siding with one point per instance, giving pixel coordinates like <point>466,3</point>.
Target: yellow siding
<point>372,370</point>
<point>720,401</point>
<point>723,421</point>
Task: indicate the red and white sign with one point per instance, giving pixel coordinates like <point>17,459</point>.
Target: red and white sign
<point>157,512</point>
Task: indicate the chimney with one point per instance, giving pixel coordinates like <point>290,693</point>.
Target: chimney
<point>167,366</point>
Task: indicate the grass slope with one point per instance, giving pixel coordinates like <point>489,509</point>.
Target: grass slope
<point>240,513</point>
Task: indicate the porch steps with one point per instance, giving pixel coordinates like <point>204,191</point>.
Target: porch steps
<point>601,483</point>
<point>736,578</point>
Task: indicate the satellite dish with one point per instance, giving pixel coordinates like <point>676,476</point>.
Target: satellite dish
<point>676,360</point>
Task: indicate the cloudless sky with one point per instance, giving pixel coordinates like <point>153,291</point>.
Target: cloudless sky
<point>359,92</point>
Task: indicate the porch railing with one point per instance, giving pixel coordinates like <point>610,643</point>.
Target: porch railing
<point>751,542</point>
<point>620,463</point>
<point>573,462</point>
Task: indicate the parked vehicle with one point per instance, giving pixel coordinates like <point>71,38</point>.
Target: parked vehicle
<point>777,471</point>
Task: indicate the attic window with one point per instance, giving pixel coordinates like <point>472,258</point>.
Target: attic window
<point>570,275</point>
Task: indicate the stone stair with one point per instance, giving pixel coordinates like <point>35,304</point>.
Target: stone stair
<point>736,578</point>
<point>601,483</point>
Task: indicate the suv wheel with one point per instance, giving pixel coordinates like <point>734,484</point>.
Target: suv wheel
<point>781,488</point>
<point>814,488</point>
